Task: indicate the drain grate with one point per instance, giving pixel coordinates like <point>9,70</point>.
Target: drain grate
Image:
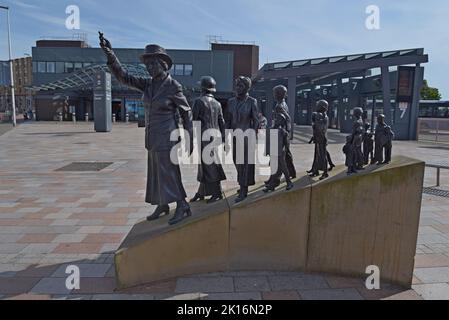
<point>436,192</point>
<point>85,167</point>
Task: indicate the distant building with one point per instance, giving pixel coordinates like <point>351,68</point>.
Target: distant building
<point>23,79</point>
<point>63,71</point>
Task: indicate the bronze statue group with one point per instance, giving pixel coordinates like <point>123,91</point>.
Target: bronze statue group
<point>165,105</point>
<point>359,145</point>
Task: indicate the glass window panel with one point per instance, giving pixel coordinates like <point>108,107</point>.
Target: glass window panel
<point>442,112</point>
<point>51,67</point>
<point>59,67</point>
<point>188,70</point>
<point>78,65</point>
<point>34,66</point>
<point>87,64</point>
<point>179,69</point>
<point>41,67</point>
<point>69,67</point>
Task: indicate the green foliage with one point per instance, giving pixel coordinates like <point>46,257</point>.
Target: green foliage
<point>429,93</point>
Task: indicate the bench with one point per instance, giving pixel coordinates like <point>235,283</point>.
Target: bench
<point>438,166</point>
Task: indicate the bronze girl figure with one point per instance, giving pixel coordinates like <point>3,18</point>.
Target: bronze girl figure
<point>164,102</point>
<point>208,112</point>
<point>243,114</point>
<point>321,123</point>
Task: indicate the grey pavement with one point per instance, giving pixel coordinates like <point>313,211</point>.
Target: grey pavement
<point>50,219</point>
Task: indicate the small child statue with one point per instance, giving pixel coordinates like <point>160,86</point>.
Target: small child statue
<point>368,140</point>
<point>383,140</point>
<point>281,123</point>
<point>320,125</point>
<point>348,150</point>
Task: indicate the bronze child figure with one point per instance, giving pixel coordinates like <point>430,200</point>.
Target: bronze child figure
<point>384,141</point>
<point>368,140</point>
<point>208,112</point>
<point>320,126</point>
<point>358,130</point>
<point>282,124</point>
<point>243,114</point>
<point>163,101</point>
<point>280,94</point>
<point>328,155</point>
<point>348,150</point>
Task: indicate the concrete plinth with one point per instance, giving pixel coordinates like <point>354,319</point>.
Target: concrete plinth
<point>340,225</point>
<point>371,218</point>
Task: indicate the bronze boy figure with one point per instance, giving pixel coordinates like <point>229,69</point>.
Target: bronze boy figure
<point>208,111</point>
<point>164,101</point>
<point>243,114</point>
<point>384,140</point>
<point>320,126</point>
<point>281,123</point>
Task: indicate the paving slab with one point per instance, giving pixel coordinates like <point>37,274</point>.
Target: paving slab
<point>206,285</point>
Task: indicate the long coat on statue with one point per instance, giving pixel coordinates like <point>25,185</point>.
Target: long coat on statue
<point>208,111</point>
<point>164,104</point>
<point>320,138</point>
<point>243,114</point>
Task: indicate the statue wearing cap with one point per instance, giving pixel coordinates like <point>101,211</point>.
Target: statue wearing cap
<point>164,103</point>
<point>208,112</point>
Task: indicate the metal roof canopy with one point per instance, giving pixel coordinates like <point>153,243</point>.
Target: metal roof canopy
<point>83,79</point>
<point>341,64</point>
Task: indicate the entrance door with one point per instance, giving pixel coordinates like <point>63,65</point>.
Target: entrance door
<point>117,110</point>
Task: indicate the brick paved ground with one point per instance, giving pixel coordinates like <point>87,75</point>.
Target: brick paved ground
<point>5,127</point>
<point>49,219</point>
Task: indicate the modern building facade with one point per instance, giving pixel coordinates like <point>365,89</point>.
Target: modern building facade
<point>63,72</point>
<point>379,82</point>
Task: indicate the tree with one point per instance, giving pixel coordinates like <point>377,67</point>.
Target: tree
<point>429,93</point>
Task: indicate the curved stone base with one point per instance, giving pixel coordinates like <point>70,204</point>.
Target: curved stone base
<point>340,225</point>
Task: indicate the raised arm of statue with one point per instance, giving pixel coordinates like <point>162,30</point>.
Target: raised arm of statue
<point>117,70</point>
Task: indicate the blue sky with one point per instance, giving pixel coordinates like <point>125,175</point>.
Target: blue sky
<point>284,29</point>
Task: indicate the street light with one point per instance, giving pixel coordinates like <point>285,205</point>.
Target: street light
<point>13,96</point>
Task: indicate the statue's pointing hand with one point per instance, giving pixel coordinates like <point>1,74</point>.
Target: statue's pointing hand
<point>105,44</point>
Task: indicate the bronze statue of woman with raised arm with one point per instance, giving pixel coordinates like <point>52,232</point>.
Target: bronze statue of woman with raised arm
<point>164,102</point>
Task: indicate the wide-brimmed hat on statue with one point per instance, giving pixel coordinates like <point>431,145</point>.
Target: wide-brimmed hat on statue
<point>153,50</point>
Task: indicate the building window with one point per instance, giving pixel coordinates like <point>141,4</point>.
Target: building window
<point>179,69</point>
<point>51,67</point>
<point>188,70</point>
<point>41,67</point>
<point>78,66</point>
<point>69,67</point>
<point>182,70</point>
<point>60,67</point>
<point>86,64</point>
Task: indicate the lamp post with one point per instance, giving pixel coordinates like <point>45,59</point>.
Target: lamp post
<point>13,96</point>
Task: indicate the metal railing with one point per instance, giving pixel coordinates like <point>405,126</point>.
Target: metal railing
<point>433,129</point>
